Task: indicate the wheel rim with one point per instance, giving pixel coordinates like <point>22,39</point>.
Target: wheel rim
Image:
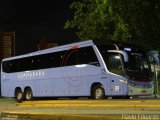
<point>19,96</point>
<point>99,93</point>
<point>28,95</point>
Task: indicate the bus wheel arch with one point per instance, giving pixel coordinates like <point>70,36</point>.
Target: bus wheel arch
<point>97,91</point>
<point>19,96</point>
<point>28,95</point>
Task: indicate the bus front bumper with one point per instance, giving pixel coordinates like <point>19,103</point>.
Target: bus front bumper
<point>140,90</point>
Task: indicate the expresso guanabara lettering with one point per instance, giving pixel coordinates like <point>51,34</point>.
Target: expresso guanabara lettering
<point>31,74</point>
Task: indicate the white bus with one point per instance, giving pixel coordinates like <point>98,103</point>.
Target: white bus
<point>91,69</point>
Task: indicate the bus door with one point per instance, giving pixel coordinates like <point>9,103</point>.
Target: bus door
<point>115,68</point>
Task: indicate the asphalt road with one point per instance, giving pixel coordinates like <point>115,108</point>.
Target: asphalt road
<point>80,109</point>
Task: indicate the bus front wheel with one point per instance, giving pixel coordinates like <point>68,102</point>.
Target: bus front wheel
<point>98,92</point>
<point>19,95</point>
<point>28,94</point>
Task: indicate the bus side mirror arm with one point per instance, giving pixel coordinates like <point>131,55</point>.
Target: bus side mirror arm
<point>125,55</point>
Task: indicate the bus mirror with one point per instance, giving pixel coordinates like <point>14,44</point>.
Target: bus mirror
<point>153,57</point>
<point>125,55</point>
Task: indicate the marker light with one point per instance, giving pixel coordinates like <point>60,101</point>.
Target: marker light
<point>127,49</point>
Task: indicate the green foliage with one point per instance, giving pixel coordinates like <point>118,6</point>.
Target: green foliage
<point>143,20</point>
<point>126,20</point>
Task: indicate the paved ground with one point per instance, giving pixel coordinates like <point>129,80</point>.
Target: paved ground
<point>81,109</point>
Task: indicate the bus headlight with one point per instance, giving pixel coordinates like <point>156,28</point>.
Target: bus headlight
<point>132,84</point>
<point>123,81</point>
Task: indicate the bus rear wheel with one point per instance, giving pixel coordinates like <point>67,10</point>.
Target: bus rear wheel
<point>98,92</point>
<point>19,95</point>
<point>28,94</point>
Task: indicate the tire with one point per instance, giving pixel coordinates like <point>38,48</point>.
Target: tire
<point>28,94</point>
<point>98,92</point>
<point>19,95</point>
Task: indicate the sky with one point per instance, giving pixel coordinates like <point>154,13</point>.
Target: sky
<point>33,20</point>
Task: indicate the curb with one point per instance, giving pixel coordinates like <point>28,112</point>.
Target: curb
<point>42,116</point>
<point>91,105</point>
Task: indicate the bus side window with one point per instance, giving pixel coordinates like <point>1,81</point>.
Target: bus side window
<point>52,60</point>
<point>70,57</point>
<point>57,61</point>
<point>6,66</point>
<point>14,65</point>
<point>114,63</point>
<point>38,62</point>
<point>86,55</point>
<point>25,64</point>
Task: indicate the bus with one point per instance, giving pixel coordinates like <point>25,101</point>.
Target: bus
<point>154,58</point>
<point>94,69</point>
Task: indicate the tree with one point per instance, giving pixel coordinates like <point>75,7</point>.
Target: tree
<point>94,19</point>
<point>143,19</point>
<point>126,20</point>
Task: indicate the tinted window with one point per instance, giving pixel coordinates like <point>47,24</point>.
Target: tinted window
<point>70,57</point>
<point>25,64</point>
<point>87,55</point>
<point>114,63</point>
<point>6,66</point>
<point>14,65</point>
<point>53,60</point>
<point>36,62</point>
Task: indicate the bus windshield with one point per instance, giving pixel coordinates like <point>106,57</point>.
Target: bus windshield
<point>138,67</point>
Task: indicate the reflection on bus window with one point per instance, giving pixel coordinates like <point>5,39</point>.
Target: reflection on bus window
<point>114,63</point>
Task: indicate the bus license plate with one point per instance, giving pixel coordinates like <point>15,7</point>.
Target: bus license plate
<point>144,91</point>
